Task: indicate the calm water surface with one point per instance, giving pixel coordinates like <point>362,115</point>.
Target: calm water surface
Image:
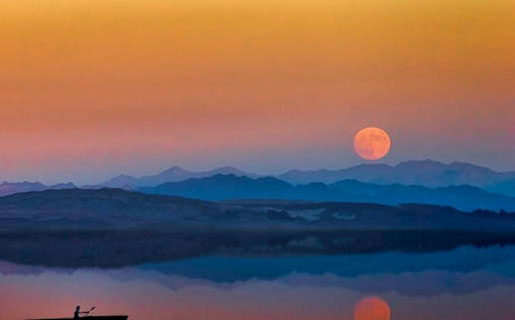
<point>466,283</point>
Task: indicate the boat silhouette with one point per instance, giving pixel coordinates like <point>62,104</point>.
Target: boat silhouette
<point>90,318</point>
<point>87,316</point>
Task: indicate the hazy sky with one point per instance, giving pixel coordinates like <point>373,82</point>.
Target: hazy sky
<point>93,88</point>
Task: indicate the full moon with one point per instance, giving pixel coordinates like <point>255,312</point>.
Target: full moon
<point>372,143</point>
<point>372,308</point>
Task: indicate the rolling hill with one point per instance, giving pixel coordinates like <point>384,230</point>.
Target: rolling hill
<point>120,209</point>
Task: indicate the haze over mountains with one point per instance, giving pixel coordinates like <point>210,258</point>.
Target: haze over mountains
<point>461,185</point>
<point>8,188</point>
<point>427,173</point>
<point>226,187</point>
<point>171,175</point>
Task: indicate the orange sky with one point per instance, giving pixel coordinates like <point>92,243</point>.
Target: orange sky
<point>92,88</point>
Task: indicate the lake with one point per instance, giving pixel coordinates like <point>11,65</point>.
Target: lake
<point>465,283</point>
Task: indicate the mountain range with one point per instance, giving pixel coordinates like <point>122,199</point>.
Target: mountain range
<point>426,173</point>
<point>226,187</point>
<point>457,184</point>
<point>173,174</point>
<point>8,188</point>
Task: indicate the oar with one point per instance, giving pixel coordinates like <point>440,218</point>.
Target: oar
<point>89,311</point>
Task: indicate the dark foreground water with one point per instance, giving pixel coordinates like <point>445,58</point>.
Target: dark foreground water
<point>466,283</point>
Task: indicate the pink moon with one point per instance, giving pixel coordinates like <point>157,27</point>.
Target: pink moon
<point>372,308</point>
<point>372,143</point>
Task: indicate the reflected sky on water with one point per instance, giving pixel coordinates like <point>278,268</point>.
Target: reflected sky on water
<point>466,283</point>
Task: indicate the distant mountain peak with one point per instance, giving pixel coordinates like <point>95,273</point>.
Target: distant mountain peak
<point>227,168</point>
<point>118,181</point>
<point>124,176</point>
<point>67,185</point>
<point>470,166</point>
<point>173,174</point>
<point>428,163</point>
<point>429,173</point>
<point>371,165</point>
<point>232,170</point>
<point>5,183</point>
<point>175,170</point>
<point>9,188</point>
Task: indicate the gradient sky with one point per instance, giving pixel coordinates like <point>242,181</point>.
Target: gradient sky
<point>94,88</point>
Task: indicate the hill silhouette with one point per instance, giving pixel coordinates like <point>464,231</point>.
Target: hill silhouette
<point>120,209</point>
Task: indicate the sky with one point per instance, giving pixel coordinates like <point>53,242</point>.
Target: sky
<point>94,88</point>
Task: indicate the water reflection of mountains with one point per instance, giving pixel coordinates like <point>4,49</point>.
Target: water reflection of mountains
<point>231,269</point>
<point>112,249</point>
<point>459,271</point>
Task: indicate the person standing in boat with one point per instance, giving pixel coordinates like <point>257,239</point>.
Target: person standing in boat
<point>77,313</point>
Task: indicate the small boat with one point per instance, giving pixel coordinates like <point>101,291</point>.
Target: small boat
<point>91,318</point>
